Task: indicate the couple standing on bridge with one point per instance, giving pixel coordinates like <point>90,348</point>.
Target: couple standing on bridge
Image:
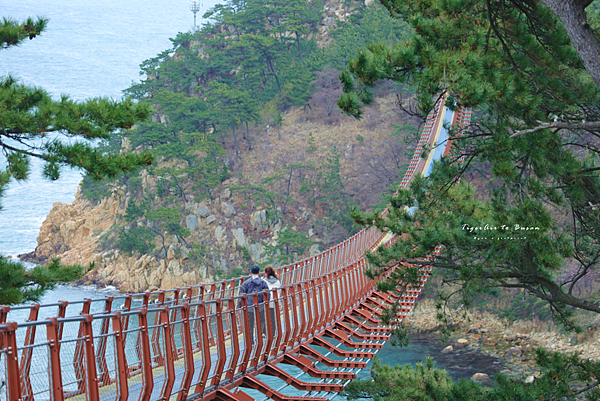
<point>257,284</point>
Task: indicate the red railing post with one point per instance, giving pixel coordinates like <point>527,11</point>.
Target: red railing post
<point>247,337</point>
<point>165,322</point>
<point>159,358</point>
<point>205,350</point>
<point>13,379</point>
<point>220,345</point>
<point>80,350</point>
<point>276,347</point>
<point>145,356</point>
<point>121,359</point>
<point>234,339</point>
<point>188,352</point>
<point>54,368</point>
<point>302,311</point>
<point>258,340</point>
<point>294,310</point>
<point>90,373</point>
<point>104,375</point>
<point>269,328</point>
<point>25,365</point>
<point>286,312</point>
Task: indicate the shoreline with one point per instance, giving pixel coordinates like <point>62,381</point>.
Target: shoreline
<point>512,343</point>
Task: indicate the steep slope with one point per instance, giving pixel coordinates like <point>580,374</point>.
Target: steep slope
<point>244,174</point>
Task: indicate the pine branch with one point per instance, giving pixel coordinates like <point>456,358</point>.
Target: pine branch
<point>588,126</point>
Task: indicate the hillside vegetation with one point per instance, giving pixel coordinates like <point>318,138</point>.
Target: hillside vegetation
<point>254,162</point>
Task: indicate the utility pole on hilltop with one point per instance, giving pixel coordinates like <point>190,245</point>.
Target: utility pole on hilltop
<point>195,8</point>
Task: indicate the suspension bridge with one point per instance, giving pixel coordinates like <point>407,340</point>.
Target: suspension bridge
<point>196,343</point>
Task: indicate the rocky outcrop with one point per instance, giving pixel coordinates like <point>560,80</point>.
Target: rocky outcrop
<point>73,231</point>
<point>86,233</point>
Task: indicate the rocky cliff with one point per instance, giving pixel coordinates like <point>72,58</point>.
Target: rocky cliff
<point>227,230</point>
<point>79,233</point>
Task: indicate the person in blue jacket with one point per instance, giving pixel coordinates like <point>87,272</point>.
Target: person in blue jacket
<point>255,284</point>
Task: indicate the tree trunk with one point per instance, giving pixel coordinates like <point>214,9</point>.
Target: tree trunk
<point>298,42</point>
<point>572,14</point>
<point>237,152</point>
<point>248,136</point>
<point>287,193</point>
<point>274,73</point>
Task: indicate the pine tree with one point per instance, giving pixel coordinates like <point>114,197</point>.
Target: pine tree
<point>535,129</point>
<point>32,124</point>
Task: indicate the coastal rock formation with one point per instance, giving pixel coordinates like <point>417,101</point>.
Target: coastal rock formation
<point>85,233</point>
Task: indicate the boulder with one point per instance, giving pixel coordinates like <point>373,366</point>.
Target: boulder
<point>489,342</point>
<point>191,222</point>
<point>201,210</point>
<point>461,343</point>
<point>220,234</point>
<point>514,351</point>
<point>256,252</point>
<point>228,209</point>
<point>258,218</point>
<point>210,219</point>
<point>314,250</point>
<point>447,349</point>
<point>480,377</point>
<point>240,238</point>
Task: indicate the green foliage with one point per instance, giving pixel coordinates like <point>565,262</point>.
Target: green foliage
<point>372,24</point>
<point>245,253</point>
<point>28,115</point>
<point>134,211</point>
<point>526,307</point>
<point>331,194</point>
<point>514,64</point>
<point>139,239</point>
<point>290,244</point>
<point>168,219</point>
<point>311,143</point>
<point>13,33</point>
<point>95,190</point>
<point>19,284</point>
<point>198,253</point>
<point>234,272</point>
<point>564,377</point>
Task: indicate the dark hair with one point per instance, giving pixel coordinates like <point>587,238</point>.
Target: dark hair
<point>270,272</point>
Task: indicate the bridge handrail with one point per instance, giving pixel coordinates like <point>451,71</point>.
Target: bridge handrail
<point>302,311</point>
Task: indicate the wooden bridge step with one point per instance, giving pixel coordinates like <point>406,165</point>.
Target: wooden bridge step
<point>226,395</point>
<point>370,329</point>
<point>344,338</point>
<point>254,383</point>
<point>307,366</point>
<point>304,349</point>
<point>344,354</point>
<point>300,385</point>
<point>362,336</point>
